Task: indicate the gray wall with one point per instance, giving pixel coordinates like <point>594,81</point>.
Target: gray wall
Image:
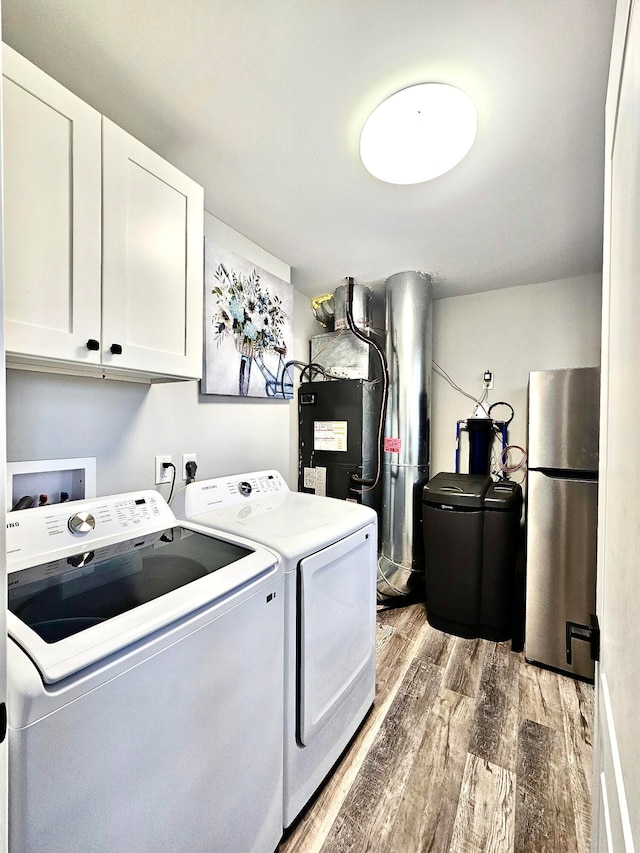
<point>510,332</point>
<point>124,424</point>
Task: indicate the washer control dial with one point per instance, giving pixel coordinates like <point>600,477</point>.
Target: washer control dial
<point>245,488</point>
<point>81,522</point>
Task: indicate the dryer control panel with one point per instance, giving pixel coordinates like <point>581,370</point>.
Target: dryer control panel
<point>205,495</point>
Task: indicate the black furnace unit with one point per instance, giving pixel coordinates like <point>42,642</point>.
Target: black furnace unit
<point>338,422</point>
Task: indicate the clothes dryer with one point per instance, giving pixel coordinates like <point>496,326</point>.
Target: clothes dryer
<point>329,550</point>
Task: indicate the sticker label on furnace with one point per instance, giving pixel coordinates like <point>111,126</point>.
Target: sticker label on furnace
<point>330,435</point>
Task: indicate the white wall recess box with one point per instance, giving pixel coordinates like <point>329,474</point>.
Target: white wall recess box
<point>51,481</point>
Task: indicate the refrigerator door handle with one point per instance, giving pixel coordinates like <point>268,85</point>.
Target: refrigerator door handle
<point>590,633</point>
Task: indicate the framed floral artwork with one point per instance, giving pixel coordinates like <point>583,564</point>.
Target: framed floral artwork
<point>248,331</point>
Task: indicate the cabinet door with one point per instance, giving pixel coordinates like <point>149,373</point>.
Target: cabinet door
<point>152,272</point>
<point>52,213</point>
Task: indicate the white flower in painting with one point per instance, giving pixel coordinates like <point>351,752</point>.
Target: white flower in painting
<point>247,310</point>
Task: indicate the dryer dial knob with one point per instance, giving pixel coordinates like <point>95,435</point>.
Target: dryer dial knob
<point>245,488</point>
<point>81,522</point>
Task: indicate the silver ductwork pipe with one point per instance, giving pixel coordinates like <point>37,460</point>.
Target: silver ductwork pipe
<point>409,347</point>
<point>359,308</point>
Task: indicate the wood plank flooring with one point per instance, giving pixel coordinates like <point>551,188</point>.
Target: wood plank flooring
<point>467,749</point>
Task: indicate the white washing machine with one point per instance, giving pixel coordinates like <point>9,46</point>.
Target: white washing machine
<point>329,549</point>
<point>145,678</point>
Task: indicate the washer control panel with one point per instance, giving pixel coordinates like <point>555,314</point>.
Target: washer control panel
<point>36,534</point>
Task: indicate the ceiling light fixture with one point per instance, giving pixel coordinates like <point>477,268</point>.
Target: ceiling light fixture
<point>418,133</point>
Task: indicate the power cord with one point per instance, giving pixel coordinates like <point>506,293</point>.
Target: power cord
<point>480,402</point>
<point>191,467</point>
<point>311,368</point>
<point>166,465</point>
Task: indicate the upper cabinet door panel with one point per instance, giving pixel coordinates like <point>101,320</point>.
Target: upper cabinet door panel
<point>152,260</point>
<point>52,215</point>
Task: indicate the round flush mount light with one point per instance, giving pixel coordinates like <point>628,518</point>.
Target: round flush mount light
<point>418,133</point>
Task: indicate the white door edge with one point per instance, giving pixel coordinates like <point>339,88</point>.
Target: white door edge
<point>608,730</point>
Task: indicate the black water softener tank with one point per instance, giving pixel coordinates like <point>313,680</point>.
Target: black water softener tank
<point>471,531</point>
<point>502,511</point>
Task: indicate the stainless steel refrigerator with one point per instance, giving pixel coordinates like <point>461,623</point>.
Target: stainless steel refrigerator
<point>561,518</point>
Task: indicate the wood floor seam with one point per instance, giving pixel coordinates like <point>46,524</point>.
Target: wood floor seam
<point>468,749</point>
<point>349,766</point>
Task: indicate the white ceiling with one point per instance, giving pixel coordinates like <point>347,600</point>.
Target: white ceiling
<point>262,102</point>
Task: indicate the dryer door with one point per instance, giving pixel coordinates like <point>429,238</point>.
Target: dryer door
<point>336,626</point>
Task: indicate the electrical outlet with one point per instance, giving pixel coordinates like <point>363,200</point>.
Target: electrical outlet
<point>163,475</point>
<point>487,380</point>
<point>188,457</point>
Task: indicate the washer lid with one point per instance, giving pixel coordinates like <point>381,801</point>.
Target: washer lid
<point>74,611</point>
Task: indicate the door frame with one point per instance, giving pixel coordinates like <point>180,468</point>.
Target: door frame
<point>610,827</point>
<point>4,763</point>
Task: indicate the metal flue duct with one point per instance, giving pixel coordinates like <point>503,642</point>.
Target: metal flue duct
<point>360,298</point>
<point>409,345</point>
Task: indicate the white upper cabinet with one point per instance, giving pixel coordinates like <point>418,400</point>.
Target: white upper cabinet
<point>103,241</point>
<point>52,215</point>
<point>152,260</point>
